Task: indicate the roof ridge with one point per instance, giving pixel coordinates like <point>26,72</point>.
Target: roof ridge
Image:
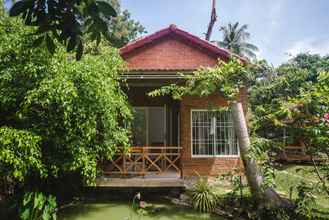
<point>172,28</point>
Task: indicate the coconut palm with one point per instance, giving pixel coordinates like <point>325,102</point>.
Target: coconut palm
<point>235,39</point>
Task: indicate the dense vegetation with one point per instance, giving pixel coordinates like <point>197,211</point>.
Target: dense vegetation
<point>59,118</point>
<point>292,97</point>
<point>72,23</point>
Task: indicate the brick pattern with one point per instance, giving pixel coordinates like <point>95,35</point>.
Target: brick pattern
<point>173,53</point>
<point>211,166</point>
<point>169,53</point>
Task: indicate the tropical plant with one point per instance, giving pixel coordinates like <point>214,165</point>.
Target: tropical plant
<point>58,116</point>
<point>204,199</point>
<point>229,79</point>
<point>37,206</point>
<point>295,101</point>
<point>313,63</point>
<point>305,200</point>
<point>122,28</point>
<point>235,39</point>
<point>235,179</point>
<point>65,21</point>
<point>20,154</point>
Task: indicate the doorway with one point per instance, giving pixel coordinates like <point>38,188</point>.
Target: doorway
<point>149,126</point>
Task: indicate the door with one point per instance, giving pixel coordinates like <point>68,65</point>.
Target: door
<point>149,126</point>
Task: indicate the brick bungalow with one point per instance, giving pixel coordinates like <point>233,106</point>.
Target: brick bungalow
<point>170,136</point>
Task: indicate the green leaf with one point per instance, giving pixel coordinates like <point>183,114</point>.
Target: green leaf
<point>19,7</point>
<point>28,18</point>
<point>79,50</point>
<point>25,215</point>
<point>106,9</point>
<point>50,44</point>
<point>27,198</point>
<point>37,42</point>
<point>71,45</point>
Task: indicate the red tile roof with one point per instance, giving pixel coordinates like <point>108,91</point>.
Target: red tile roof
<point>150,64</point>
<point>221,52</point>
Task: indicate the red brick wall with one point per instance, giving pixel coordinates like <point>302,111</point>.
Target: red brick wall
<point>172,53</point>
<point>169,53</point>
<point>211,166</point>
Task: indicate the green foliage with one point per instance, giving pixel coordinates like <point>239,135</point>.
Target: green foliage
<point>236,194</point>
<point>20,153</point>
<point>66,21</point>
<point>226,79</point>
<point>305,201</point>
<point>204,199</point>
<point>79,110</point>
<point>288,100</point>
<point>263,151</point>
<point>21,67</point>
<point>58,116</point>
<point>37,206</point>
<point>122,28</point>
<point>292,106</point>
<point>275,214</point>
<point>313,63</point>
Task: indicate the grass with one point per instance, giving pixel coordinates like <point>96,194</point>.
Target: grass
<point>287,178</point>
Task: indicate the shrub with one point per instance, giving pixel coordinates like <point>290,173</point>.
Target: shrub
<point>305,201</point>
<point>204,199</point>
<point>37,206</point>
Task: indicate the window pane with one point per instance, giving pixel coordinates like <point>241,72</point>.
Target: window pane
<point>202,135</point>
<point>226,142</point>
<point>139,127</point>
<point>213,133</point>
<point>156,126</point>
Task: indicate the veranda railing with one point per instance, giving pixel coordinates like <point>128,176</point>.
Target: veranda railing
<point>145,160</point>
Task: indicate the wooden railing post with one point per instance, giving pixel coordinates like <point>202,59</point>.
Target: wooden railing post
<point>143,160</point>
<point>124,163</point>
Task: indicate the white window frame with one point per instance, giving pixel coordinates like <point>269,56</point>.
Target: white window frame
<point>207,156</point>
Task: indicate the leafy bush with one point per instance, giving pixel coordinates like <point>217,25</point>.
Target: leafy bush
<point>20,153</point>
<point>59,116</point>
<point>204,199</point>
<point>37,206</point>
<point>305,201</point>
<point>76,109</point>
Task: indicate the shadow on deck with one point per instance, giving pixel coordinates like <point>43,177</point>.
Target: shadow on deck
<point>163,180</point>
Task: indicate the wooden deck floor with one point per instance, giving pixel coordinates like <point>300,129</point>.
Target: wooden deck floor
<point>164,180</point>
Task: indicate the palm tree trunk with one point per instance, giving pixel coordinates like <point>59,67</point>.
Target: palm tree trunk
<point>263,197</point>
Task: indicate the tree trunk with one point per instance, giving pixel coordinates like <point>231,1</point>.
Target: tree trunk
<point>263,197</point>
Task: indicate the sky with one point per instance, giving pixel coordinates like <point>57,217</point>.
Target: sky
<point>280,28</point>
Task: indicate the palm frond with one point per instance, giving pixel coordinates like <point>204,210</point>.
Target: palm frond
<point>235,39</point>
<point>248,53</point>
<point>250,46</point>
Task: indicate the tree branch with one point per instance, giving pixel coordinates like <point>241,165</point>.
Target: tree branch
<point>213,19</point>
<point>322,180</point>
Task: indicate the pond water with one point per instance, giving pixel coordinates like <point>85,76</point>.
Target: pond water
<point>124,211</point>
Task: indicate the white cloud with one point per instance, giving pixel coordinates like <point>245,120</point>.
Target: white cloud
<point>309,46</point>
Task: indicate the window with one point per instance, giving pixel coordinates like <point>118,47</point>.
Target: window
<point>213,134</point>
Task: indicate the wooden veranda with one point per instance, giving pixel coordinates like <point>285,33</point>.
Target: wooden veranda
<point>149,166</point>
<point>144,161</point>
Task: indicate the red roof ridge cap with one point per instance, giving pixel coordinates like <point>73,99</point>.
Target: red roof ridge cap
<point>173,28</point>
